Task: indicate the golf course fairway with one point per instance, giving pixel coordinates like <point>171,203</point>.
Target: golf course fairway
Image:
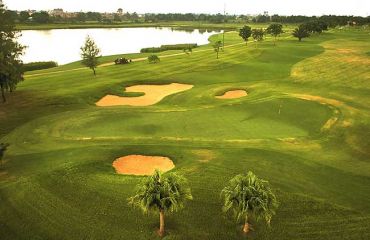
<point>302,122</point>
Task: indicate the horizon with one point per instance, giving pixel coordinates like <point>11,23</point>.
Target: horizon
<point>237,7</point>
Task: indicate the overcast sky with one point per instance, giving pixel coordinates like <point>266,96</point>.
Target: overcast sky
<point>283,7</point>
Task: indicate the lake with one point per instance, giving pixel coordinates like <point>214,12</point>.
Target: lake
<point>63,45</point>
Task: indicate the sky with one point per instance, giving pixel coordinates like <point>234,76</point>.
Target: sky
<point>282,7</point>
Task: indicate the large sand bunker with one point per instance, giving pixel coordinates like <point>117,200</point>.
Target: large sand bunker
<point>152,95</point>
<point>233,94</point>
<point>142,165</point>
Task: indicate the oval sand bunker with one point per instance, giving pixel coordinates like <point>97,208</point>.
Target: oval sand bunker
<point>152,95</point>
<point>233,94</point>
<point>142,165</point>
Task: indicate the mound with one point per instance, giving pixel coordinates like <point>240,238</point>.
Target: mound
<point>152,95</point>
<point>142,165</point>
<point>233,94</point>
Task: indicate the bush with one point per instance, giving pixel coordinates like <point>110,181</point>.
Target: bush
<point>169,47</point>
<point>154,59</point>
<point>38,66</point>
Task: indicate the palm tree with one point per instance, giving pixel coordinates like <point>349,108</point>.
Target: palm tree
<point>217,46</point>
<point>248,196</point>
<point>161,193</point>
<point>3,148</point>
<point>301,32</point>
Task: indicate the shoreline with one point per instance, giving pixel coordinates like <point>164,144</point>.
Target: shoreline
<point>180,26</point>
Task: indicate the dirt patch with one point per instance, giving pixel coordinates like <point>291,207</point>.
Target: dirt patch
<point>142,165</point>
<point>152,95</point>
<point>233,94</point>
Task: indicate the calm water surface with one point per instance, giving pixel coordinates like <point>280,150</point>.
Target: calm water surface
<point>63,45</point>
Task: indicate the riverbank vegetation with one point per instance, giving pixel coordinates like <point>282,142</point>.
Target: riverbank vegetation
<point>33,66</point>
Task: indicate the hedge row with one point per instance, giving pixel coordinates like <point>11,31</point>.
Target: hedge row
<point>38,66</point>
<point>168,47</point>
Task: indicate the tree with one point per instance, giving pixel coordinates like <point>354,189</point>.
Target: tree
<point>154,59</point>
<point>81,17</point>
<point>11,72</point>
<point>41,17</point>
<point>301,32</point>
<point>248,196</point>
<point>258,35</point>
<point>24,16</point>
<point>245,33</point>
<point>188,50</point>
<point>161,193</point>
<point>275,30</point>
<point>90,54</point>
<point>217,46</point>
<point>3,148</point>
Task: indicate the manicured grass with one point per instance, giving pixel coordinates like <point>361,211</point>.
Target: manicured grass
<point>58,181</point>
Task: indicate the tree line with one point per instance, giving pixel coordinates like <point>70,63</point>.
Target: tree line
<point>44,17</point>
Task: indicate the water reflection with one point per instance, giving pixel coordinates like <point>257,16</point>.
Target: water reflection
<point>63,45</point>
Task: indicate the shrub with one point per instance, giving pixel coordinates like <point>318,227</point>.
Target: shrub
<point>169,47</point>
<point>38,66</point>
<point>154,59</point>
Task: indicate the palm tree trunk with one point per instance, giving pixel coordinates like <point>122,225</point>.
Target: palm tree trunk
<point>94,71</point>
<point>246,226</point>
<point>161,223</point>
<point>3,94</point>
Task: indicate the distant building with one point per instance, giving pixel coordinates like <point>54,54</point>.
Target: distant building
<point>30,12</point>
<point>58,12</point>
<point>109,16</point>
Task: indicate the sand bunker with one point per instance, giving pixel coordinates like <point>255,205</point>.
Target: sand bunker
<point>142,165</point>
<point>152,95</point>
<point>233,94</point>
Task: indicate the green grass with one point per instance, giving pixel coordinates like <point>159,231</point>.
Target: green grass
<point>58,182</point>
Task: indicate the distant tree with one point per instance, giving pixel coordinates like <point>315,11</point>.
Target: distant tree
<point>81,17</point>
<point>301,32</point>
<point>93,16</point>
<point>11,72</point>
<point>217,47</point>
<point>13,15</point>
<point>188,50</point>
<point>275,30</point>
<point>41,17</point>
<point>258,35</point>
<point>90,54</point>
<point>248,196</point>
<point>323,25</point>
<point>3,148</point>
<point>245,33</point>
<point>161,193</point>
<point>24,16</point>
<point>117,17</point>
<point>154,59</point>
